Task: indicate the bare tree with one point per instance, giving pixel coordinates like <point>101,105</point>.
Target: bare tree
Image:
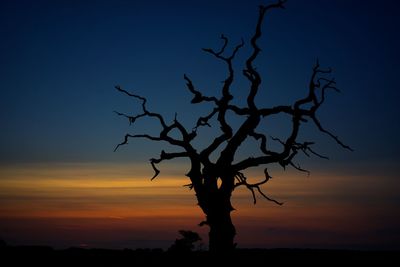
<point>213,198</point>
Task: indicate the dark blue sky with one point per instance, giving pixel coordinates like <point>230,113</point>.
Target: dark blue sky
<point>59,62</point>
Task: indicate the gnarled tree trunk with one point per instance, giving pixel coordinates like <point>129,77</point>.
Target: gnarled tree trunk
<point>222,231</point>
<point>216,204</point>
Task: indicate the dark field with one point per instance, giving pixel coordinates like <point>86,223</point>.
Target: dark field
<point>46,256</point>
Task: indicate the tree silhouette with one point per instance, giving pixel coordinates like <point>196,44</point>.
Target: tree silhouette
<point>186,242</point>
<point>214,197</point>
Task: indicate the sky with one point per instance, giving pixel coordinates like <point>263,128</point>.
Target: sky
<point>61,183</point>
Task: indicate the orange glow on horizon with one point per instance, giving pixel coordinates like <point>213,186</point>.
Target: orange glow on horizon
<point>121,198</point>
<point>87,193</point>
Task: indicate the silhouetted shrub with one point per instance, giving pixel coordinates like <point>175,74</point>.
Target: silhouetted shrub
<point>186,243</point>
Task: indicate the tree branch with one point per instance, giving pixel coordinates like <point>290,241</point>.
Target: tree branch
<point>336,138</point>
<point>166,129</point>
<point>242,181</point>
<point>297,167</point>
<point>239,111</point>
<point>165,156</point>
<point>187,137</point>
<point>198,97</point>
<point>263,143</point>
<point>323,84</point>
<point>253,119</point>
<point>146,136</point>
<point>145,111</point>
<point>203,121</point>
<point>130,118</point>
<point>223,102</point>
<point>250,72</point>
<point>298,114</point>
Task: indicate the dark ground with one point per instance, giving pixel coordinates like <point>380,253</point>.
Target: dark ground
<point>46,256</point>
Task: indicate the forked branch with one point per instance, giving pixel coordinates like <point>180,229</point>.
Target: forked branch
<point>242,181</point>
<point>198,96</point>
<point>163,135</point>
